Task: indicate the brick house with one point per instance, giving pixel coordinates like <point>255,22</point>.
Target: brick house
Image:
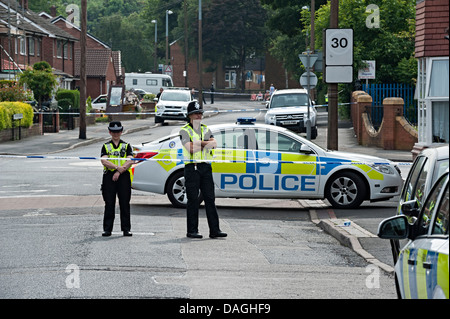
<point>223,77</point>
<point>27,38</point>
<point>432,52</point>
<point>103,66</point>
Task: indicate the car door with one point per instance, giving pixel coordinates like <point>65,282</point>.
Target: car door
<point>233,168</point>
<point>278,171</point>
<point>424,261</point>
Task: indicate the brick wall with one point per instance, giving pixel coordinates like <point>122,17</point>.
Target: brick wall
<point>395,133</point>
<point>432,22</point>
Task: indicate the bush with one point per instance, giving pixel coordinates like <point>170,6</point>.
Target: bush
<point>149,97</point>
<point>11,91</point>
<point>8,109</point>
<point>72,95</point>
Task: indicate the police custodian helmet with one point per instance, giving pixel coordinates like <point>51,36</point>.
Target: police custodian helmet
<point>115,126</point>
<point>194,107</point>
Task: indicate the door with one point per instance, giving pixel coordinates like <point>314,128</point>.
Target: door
<point>233,171</point>
<point>424,261</point>
<point>281,170</point>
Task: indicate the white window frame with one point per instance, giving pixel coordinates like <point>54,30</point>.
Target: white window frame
<point>23,45</point>
<point>425,102</point>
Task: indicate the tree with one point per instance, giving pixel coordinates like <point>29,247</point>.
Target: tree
<point>391,44</point>
<point>233,30</point>
<point>40,80</point>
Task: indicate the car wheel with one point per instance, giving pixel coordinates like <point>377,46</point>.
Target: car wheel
<point>159,120</point>
<point>314,133</point>
<point>345,190</point>
<point>176,190</point>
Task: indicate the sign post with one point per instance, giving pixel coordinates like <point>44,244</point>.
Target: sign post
<point>309,80</point>
<point>338,56</point>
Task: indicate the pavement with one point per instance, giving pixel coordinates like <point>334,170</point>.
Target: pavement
<point>319,211</point>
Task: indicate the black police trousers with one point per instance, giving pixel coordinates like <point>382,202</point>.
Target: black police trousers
<point>122,189</point>
<point>199,177</point>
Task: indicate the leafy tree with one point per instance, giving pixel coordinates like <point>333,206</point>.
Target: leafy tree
<point>391,45</point>
<point>40,80</point>
<point>233,30</point>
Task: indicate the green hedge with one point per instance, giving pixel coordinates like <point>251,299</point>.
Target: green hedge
<point>8,109</point>
<point>72,95</point>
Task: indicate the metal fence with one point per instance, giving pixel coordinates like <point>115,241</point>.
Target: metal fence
<point>379,92</point>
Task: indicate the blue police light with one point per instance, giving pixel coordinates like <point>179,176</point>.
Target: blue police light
<point>246,120</point>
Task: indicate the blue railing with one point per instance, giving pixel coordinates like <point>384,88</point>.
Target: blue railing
<point>379,92</point>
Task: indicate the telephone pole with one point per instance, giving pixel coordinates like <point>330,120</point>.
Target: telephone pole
<point>200,54</point>
<point>332,136</point>
<point>82,134</point>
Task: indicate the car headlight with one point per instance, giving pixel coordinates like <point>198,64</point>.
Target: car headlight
<point>383,168</point>
<point>270,117</point>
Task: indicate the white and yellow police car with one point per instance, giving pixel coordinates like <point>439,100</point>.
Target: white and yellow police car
<point>265,161</point>
<point>421,270</point>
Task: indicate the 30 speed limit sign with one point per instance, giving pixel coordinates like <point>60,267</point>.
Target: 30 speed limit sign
<point>339,47</point>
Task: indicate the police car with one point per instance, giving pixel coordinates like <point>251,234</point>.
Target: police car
<point>422,268</point>
<point>265,161</point>
<point>428,166</point>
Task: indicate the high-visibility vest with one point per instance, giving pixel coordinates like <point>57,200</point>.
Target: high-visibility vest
<point>120,151</point>
<point>206,154</point>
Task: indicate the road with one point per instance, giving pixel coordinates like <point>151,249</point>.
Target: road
<point>51,224</point>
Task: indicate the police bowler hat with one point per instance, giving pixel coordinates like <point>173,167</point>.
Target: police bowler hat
<point>194,107</point>
<point>115,126</point>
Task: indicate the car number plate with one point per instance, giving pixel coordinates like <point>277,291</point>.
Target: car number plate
<point>289,122</point>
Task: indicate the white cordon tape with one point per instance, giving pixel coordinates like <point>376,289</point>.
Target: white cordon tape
<point>268,161</point>
<point>153,113</point>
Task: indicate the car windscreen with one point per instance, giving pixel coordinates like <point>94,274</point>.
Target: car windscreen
<point>284,100</point>
<point>175,96</point>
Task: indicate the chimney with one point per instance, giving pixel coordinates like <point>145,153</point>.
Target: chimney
<point>25,4</point>
<point>53,11</point>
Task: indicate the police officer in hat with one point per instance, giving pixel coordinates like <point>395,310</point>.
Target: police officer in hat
<point>198,143</point>
<point>116,180</point>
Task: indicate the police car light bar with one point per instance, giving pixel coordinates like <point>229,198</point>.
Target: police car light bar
<point>246,120</point>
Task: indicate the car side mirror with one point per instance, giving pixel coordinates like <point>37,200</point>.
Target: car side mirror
<point>396,227</point>
<point>305,149</point>
<point>410,208</point>
<point>267,104</point>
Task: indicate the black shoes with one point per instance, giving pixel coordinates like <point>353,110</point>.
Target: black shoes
<point>211,235</point>
<point>108,233</point>
<point>219,234</point>
<point>194,235</point>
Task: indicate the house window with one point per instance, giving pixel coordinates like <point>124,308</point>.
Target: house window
<point>38,47</point>
<point>58,48</point>
<point>23,45</point>
<point>66,53</point>
<point>438,85</point>
<point>31,46</point>
<point>438,99</point>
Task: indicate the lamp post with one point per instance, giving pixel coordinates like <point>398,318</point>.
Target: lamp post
<point>155,66</point>
<point>167,35</point>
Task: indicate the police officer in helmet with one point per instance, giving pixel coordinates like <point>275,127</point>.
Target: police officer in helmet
<point>116,180</point>
<point>198,142</point>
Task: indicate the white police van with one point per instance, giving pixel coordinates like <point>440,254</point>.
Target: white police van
<point>264,161</point>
